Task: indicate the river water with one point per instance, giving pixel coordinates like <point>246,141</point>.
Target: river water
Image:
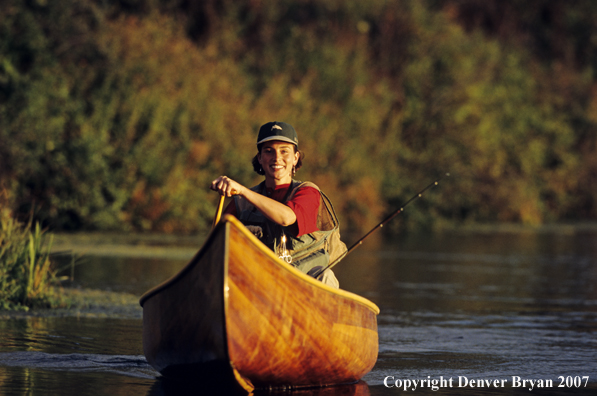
<point>510,310</point>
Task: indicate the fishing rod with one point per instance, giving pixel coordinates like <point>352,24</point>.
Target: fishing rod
<point>380,225</point>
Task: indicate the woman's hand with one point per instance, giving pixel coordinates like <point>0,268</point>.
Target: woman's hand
<point>273,210</point>
<point>226,186</point>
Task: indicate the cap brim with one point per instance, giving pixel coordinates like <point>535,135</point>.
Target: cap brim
<point>280,138</point>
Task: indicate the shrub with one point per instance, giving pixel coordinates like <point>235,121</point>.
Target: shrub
<point>27,278</point>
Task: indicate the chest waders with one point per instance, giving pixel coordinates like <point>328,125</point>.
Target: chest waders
<point>307,251</point>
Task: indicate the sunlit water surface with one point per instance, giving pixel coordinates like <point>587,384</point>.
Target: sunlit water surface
<point>461,307</point>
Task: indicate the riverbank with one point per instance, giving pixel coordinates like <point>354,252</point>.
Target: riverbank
<point>87,303</point>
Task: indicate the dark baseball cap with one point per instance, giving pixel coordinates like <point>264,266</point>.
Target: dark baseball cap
<point>277,131</point>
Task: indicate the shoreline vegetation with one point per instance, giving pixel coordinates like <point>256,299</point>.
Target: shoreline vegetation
<point>116,115</point>
<point>27,277</point>
<point>29,285</point>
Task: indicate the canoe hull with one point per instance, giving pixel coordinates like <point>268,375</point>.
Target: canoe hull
<point>239,309</point>
<point>183,319</point>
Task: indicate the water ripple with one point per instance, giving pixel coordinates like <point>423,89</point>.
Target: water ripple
<point>135,366</point>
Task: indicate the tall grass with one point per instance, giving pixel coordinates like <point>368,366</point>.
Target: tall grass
<point>27,279</point>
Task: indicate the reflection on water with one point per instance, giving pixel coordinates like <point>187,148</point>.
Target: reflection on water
<point>125,274</point>
<point>476,305</point>
<point>164,387</point>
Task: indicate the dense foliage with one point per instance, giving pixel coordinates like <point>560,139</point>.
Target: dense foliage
<point>118,114</point>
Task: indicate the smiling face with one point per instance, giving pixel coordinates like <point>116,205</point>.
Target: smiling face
<point>277,159</point>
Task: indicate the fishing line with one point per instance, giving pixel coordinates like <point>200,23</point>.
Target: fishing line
<point>378,226</point>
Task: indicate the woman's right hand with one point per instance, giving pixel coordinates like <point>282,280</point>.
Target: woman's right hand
<point>226,186</point>
<point>275,211</point>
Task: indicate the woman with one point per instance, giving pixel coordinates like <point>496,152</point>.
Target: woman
<point>293,219</point>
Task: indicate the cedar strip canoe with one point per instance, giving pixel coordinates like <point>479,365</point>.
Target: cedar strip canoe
<point>238,313</point>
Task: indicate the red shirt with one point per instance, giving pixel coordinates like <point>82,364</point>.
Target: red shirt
<point>304,204</point>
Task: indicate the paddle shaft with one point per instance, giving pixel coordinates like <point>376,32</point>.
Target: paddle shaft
<point>378,226</point>
<point>218,212</point>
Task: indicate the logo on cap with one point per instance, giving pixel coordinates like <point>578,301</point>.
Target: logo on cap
<point>276,127</point>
